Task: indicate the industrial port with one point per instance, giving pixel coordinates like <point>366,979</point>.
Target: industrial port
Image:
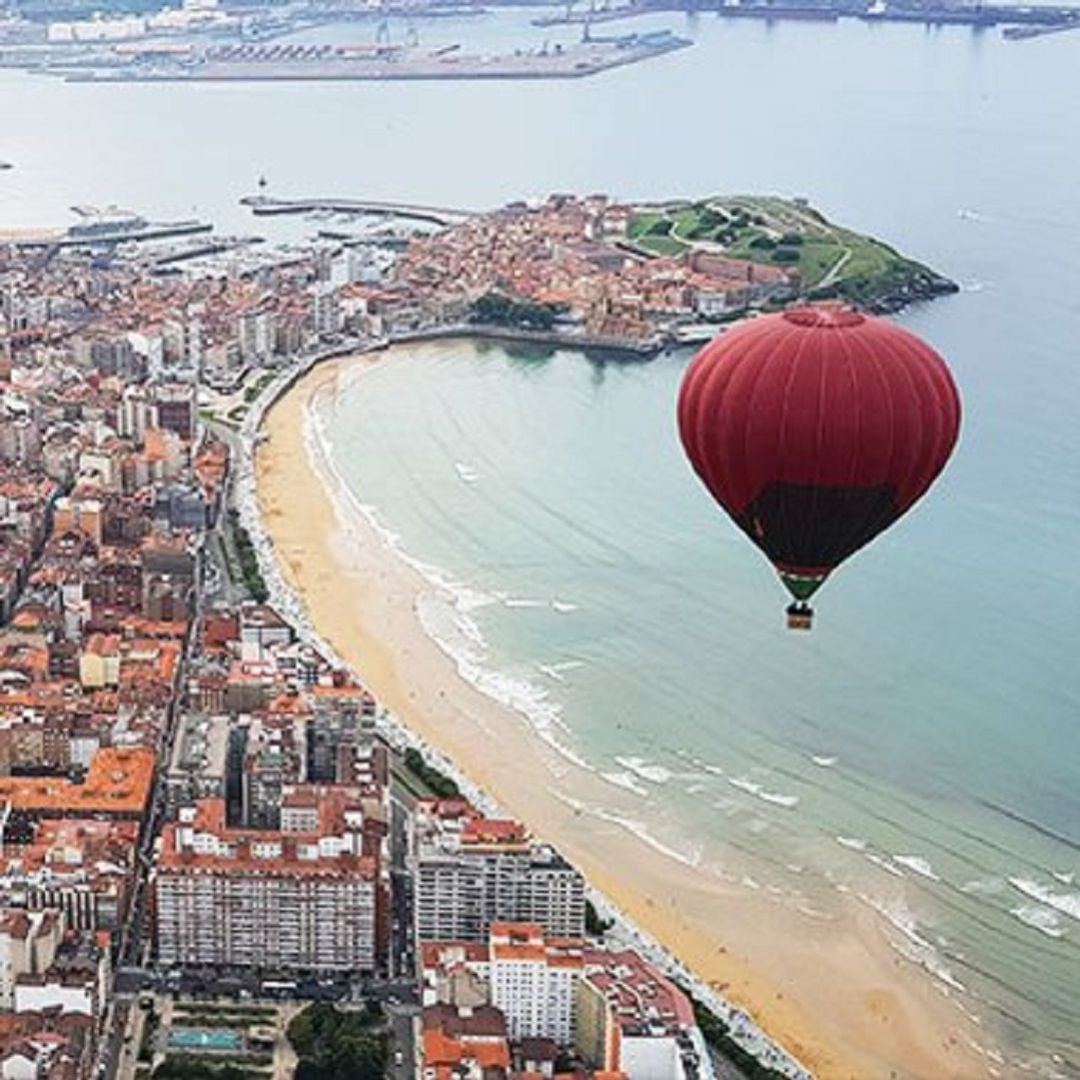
<point>204,41</point>
<point>262,62</point>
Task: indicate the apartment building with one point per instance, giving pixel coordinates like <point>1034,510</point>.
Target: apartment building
<point>609,1010</point>
<point>265,898</point>
<point>471,871</point>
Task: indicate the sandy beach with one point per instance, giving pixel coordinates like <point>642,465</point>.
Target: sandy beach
<point>834,992</point>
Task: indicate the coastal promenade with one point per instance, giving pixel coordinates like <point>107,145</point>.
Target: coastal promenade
<point>629,348</point>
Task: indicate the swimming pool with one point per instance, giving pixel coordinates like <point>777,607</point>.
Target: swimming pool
<point>205,1039</point>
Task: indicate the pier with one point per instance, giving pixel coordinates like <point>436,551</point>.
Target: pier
<point>435,215</point>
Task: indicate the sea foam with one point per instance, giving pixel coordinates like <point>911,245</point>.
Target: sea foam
<point>917,864</point>
<point>885,864</point>
<point>1039,918</point>
<point>1066,903</point>
<point>912,945</point>
<point>851,842</point>
<point>655,774</point>
<point>466,472</point>
<point>635,828</point>
<point>751,787</point>
<point>625,781</point>
<point>557,671</point>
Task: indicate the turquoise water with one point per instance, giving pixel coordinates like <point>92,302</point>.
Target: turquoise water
<point>205,1039</point>
<point>916,749</point>
<point>941,675</point>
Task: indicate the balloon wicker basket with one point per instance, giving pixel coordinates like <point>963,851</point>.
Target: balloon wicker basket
<point>799,617</point>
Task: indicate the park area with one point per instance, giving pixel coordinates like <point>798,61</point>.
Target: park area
<point>227,1040</point>
<point>832,262</point>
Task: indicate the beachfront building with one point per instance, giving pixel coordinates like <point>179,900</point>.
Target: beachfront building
<point>471,872</point>
<point>268,898</point>
<point>530,979</point>
<point>630,1017</point>
<point>611,1011</point>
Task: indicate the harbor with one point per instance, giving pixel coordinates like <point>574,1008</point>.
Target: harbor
<point>263,63</point>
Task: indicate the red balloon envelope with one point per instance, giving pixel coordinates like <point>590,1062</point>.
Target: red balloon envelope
<point>815,429</point>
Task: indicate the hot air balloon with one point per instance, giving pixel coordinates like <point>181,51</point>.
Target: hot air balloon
<point>815,429</point>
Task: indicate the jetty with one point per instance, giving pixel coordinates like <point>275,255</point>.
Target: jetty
<point>435,215</point>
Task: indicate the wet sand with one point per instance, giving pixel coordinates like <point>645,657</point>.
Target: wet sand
<point>834,993</point>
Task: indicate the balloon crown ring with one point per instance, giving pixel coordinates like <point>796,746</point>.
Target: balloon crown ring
<point>825,316</point>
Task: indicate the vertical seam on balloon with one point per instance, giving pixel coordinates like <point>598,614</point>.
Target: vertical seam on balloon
<point>820,340</point>
<point>915,459</point>
<point>946,410</point>
<point>703,415</point>
<point>946,399</point>
<point>852,535</point>
<point>775,343</point>
<point>737,362</point>
<point>851,356</point>
<point>807,336</point>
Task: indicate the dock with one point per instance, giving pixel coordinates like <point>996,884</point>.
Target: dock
<point>108,237</point>
<point>366,63</point>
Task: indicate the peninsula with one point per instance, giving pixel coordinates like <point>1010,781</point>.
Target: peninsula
<point>596,272</point>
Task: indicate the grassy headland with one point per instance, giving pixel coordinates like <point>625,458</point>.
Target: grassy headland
<point>832,262</point>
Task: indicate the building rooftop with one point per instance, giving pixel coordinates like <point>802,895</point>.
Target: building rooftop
<point>118,781</point>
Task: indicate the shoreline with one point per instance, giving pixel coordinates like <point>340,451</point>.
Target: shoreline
<point>884,1014</point>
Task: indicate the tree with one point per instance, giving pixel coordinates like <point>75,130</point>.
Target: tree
<point>333,1044</point>
<point>499,309</point>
